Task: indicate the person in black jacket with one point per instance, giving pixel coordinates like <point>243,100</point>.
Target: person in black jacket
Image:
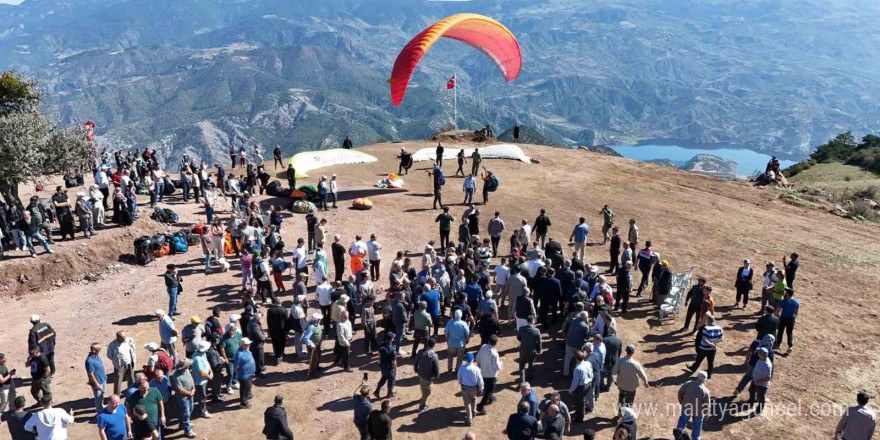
<point>542,225</point>
<point>767,324</point>
<point>291,176</point>
<point>743,283</point>
<point>338,251</point>
<point>664,283</point>
<point>614,250</point>
<point>255,333</point>
<point>43,336</point>
<point>379,422</point>
<point>521,426</point>
<point>694,302</point>
<point>624,287</point>
<point>275,421</point>
<point>347,143</point>
<point>277,155</point>
<point>276,319</point>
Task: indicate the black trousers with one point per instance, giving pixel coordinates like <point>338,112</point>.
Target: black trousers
<point>495,242</point>
<point>691,312</point>
<point>258,351</point>
<point>444,239</point>
<point>438,199</point>
<point>757,394</point>
<point>338,269</point>
<point>742,293</point>
<point>371,343</point>
<point>264,288</point>
<point>622,301</point>
<point>488,392</point>
<point>277,161</point>
<point>279,341</point>
<point>106,193</point>
<point>786,325</point>
<point>389,377</point>
<point>644,281</point>
<point>615,261</point>
<point>709,355</point>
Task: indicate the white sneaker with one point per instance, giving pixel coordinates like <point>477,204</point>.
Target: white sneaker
<point>235,386</point>
<point>206,415</point>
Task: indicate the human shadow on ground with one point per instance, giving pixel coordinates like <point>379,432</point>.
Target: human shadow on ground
<point>134,320</point>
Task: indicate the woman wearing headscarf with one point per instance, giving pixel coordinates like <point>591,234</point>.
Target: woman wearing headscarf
<point>98,212</point>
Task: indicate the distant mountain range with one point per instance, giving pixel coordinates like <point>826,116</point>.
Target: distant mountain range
<point>198,76</point>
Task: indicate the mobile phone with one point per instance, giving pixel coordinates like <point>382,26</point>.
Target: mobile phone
<point>365,376</point>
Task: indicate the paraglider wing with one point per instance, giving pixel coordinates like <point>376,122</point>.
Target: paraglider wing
<point>481,32</point>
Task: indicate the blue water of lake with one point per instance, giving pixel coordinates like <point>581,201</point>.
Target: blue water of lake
<point>747,161</point>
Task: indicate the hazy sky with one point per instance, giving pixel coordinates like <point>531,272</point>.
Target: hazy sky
<point>14,2</point>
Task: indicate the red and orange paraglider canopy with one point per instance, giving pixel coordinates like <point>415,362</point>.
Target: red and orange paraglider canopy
<point>481,32</point>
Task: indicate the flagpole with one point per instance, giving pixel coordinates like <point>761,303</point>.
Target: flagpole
<point>455,102</point>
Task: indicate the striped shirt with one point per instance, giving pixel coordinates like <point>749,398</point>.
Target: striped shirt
<point>164,387</point>
<point>713,334</point>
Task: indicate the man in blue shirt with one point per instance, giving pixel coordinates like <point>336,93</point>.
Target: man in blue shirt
<point>528,395</point>
<point>790,307</point>
<point>579,237</point>
<point>113,421</point>
<point>582,386</point>
<point>432,298</point>
<point>97,376</point>
<point>474,293</point>
<point>457,332</point>
<point>245,368</point>
<point>362,409</point>
<point>471,380</point>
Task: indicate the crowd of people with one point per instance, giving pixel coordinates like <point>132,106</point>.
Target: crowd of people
<point>409,312</point>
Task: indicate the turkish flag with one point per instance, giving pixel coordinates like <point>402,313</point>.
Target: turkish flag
<point>451,83</point>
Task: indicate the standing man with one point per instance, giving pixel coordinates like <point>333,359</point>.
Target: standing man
<point>633,237</point>
<point>439,153</point>
<point>255,334</point>
<point>582,385</point>
<point>346,144</point>
<point>761,376</point>
<point>614,250</point>
<point>122,353</point>
<point>379,422</point>
<point>41,373</point>
<point>245,368</point>
<point>438,180</point>
<point>490,363</point>
<point>173,287</point>
<point>152,401</point>
<point>707,346</point>
<point>167,333</point>
<point>445,220</point>
<point>787,317</point>
<point>276,154</point>
<point>542,226</point>
<point>113,421</point>
<point>516,132</point>
<point>791,268</point>
<point>628,374</point>
<point>624,287</point>
<point>96,375</point>
<point>607,222</point>
<point>277,322</point>
<point>696,403</point>
<point>374,254</point>
<point>275,421</point>
<point>202,374</point>
<point>427,366</point>
<point>457,333</point>
<point>521,426</point>
<point>334,190</point>
<point>530,346</point>
<point>49,423</point>
<point>858,422</point>
<point>471,380</point>
<point>338,251</point>
<point>362,409</point>
<point>613,346</point>
<point>43,335</point>
<point>579,237</point>
<point>7,388</point>
<point>184,390</point>
<point>469,186</point>
<point>495,229</point>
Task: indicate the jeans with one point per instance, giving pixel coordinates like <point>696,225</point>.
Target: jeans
<point>747,377</point>
<point>186,188</point>
<point>99,398</point>
<point>209,212</point>
<point>30,245</point>
<point>758,394</point>
<point>200,402</point>
<point>85,226</point>
<point>245,391</point>
<point>569,355</point>
<point>495,242</point>
<point>335,197</point>
<point>362,430</point>
<point>371,343</point>
<point>185,403</point>
<point>645,278</point>
<point>398,337</point>
<point>696,427</point>
<point>468,195</point>
<point>207,262</point>
<point>709,355</point>
<point>160,190</point>
<point>583,401</point>
<point>230,376</point>
<point>172,300</point>
<point>18,237</point>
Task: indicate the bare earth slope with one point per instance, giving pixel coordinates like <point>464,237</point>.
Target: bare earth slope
<point>692,220</point>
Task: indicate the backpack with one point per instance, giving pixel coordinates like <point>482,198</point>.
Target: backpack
<point>257,268</point>
<point>492,184</point>
<point>179,245</point>
<point>273,189</point>
<point>165,215</point>
<point>168,187</point>
<point>143,252</point>
<point>163,250</point>
<point>438,173</point>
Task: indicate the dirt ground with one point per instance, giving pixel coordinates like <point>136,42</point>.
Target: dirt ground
<point>692,221</point>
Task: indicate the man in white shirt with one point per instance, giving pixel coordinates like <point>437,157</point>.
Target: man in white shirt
<point>357,247</point>
<point>490,363</point>
<point>524,235</point>
<point>373,252</point>
<point>49,423</point>
<point>300,257</point>
<point>334,192</point>
<point>122,353</point>
<point>324,291</point>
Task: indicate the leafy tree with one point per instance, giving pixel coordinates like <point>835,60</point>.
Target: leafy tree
<point>31,147</point>
<point>838,149</point>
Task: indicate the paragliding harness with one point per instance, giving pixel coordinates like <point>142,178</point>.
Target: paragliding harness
<point>273,189</point>
<point>492,184</point>
<point>438,174</point>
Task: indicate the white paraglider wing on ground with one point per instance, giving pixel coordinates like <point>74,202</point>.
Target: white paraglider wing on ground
<point>500,151</point>
<point>312,160</point>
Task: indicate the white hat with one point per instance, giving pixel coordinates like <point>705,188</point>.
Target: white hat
<point>489,294</point>
<point>204,346</point>
<point>151,346</point>
<point>245,341</point>
<point>317,316</point>
<point>594,269</point>
<point>234,318</point>
<point>35,319</point>
<point>80,194</point>
<point>160,312</point>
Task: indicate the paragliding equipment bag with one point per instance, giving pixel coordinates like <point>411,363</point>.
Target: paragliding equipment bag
<point>438,173</point>
<point>274,188</point>
<point>168,186</point>
<point>179,245</point>
<point>165,215</point>
<point>143,251</point>
<point>258,269</point>
<point>492,184</point>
